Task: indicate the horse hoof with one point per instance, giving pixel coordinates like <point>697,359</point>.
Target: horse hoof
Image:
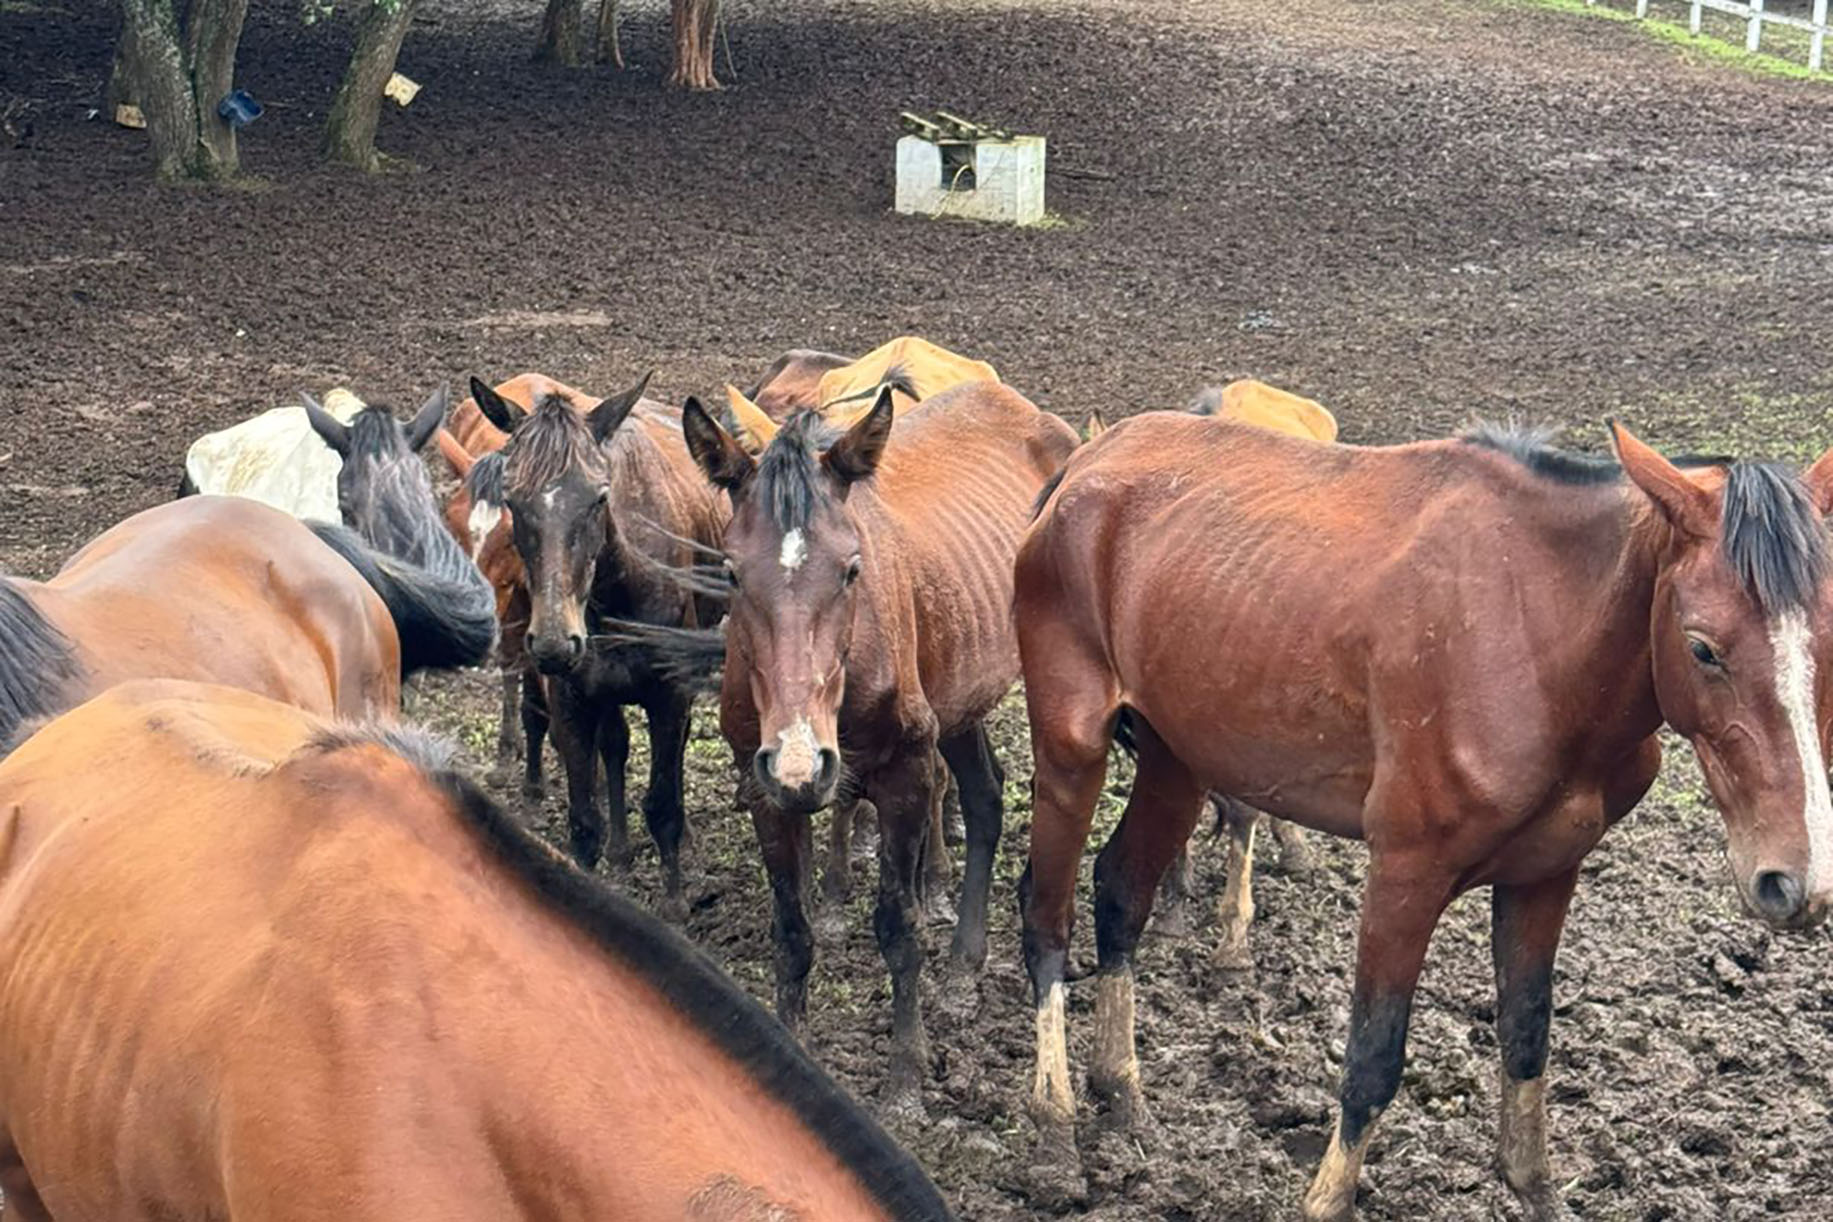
<point>830,924</point>
<point>1172,923</point>
<point>1297,863</point>
<point>1053,1179</point>
<point>939,910</point>
<point>673,909</point>
<point>903,1109</point>
<point>959,995</point>
<point>1233,955</point>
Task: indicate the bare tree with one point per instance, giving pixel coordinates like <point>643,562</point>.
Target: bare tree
<point>695,24</point>
<point>560,34</point>
<point>608,49</point>
<point>356,108</point>
<point>177,75</point>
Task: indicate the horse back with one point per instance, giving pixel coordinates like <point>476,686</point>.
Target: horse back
<point>317,980</point>
<point>227,590</point>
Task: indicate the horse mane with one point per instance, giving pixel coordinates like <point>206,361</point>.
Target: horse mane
<point>896,376</point>
<point>484,481</point>
<point>37,663</point>
<point>1207,403</point>
<point>788,473</point>
<point>1772,534</point>
<point>704,995</point>
<point>550,442</point>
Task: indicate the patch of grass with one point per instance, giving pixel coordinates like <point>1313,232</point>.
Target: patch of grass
<point>1746,420</point>
<point>1720,40</point>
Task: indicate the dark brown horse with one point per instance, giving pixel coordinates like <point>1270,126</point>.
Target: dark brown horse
<point>257,964</point>
<point>227,590</point>
<point>472,447</point>
<point>870,625</point>
<point>605,508</point>
<point>1459,651</point>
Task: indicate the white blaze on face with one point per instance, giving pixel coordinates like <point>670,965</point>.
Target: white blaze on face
<point>1792,641</point>
<point>483,520</point>
<point>798,755</point>
<point>795,551</point>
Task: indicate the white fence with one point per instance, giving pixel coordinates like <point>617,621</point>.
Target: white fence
<point>1755,17</point>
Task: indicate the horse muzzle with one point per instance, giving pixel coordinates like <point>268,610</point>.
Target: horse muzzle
<point>1780,899</point>
<point>556,655</point>
<point>795,785</point>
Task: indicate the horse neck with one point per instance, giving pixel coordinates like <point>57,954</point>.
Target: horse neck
<point>1622,559</point>
<point>649,492</point>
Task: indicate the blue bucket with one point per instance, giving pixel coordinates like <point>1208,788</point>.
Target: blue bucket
<point>238,109</point>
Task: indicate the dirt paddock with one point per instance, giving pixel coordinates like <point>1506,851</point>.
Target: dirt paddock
<point>1415,211</point>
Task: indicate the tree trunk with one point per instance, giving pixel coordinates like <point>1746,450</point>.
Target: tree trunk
<point>178,77</point>
<point>356,108</point>
<point>609,50</point>
<point>695,23</point>
<point>560,34</point>
<point>123,78</point>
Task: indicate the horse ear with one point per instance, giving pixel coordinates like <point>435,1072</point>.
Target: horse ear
<point>724,460</point>
<point>1096,424</point>
<point>427,420</point>
<point>457,457</point>
<point>607,416</point>
<point>1819,479</point>
<point>1685,503</point>
<point>335,433</point>
<point>753,420</point>
<point>497,410</point>
<point>856,454</point>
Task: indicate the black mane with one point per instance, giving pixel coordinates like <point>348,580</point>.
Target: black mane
<point>789,473</point>
<point>708,999</point>
<point>895,376</point>
<point>37,665</point>
<point>484,481</point>
<point>553,440</point>
<point>1773,536</point>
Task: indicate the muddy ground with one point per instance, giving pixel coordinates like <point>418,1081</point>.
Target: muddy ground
<point>1415,211</point>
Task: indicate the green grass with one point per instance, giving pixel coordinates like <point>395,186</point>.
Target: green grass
<point>1721,37</point>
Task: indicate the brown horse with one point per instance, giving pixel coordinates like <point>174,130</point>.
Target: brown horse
<point>870,626</point>
<point>475,518</point>
<point>1459,651</point>
<point>793,381</point>
<point>605,508</point>
<point>226,590</point>
<point>260,965</point>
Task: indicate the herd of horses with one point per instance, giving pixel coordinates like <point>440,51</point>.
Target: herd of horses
<point>265,953</point>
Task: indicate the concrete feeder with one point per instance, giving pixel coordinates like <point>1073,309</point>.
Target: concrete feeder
<point>947,166</point>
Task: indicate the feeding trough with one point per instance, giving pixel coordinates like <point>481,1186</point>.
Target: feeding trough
<point>949,166</point>
<point>238,109</point>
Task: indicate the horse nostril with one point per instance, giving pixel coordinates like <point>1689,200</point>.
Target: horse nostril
<point>1778,895</point>
<point>764,764</point>
<point>528,642</point>
<point>575,644</point>
<point>826,767</point>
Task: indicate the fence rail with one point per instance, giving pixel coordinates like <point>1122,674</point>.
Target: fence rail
<point>1755,16</point>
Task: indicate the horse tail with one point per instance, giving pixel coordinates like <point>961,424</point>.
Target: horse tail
<point>442,623</point>
<point>1208,401</point>
<point>1126,737</point>
<point>690,658</point>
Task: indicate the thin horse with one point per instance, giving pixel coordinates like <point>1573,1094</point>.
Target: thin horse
<point>605,507</point>
<point>226,590</point>
<point>870,626</point>
<point>261,965</point>
<point>1459,651</point>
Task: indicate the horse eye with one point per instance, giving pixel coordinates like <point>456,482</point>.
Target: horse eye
<point>1703,653</point>
<point>852,571</point>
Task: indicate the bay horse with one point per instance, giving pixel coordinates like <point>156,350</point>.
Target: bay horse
<point>226,590</point>
<point>386,496</point>
<point>605,507</point>
<point>260,964</point>
<point>869,628</point>
<point>1459,651</point>
<point>475,517</point>
<point>792,382</point>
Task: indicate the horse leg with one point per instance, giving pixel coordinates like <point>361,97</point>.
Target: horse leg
<point>904,793</point>
<point>534,731</point>
<point>1235,910</point>
<point>783,840</point>
<point>982,786</point>
<point>508,741</point>
<point>837,876</point>
<point>575,726</point>
<point>1171,917</point>
<point>1400,907</point>
<point>1296,856</point>
<point>614,748</point>
<point>938,906</point>
<point>1525,926</point>
<point>670,719</point>
<point>1071,727</point>
<point>1160,814</point>
<point>954,817</point>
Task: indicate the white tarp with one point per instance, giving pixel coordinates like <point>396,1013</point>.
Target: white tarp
<point>275,458</point>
